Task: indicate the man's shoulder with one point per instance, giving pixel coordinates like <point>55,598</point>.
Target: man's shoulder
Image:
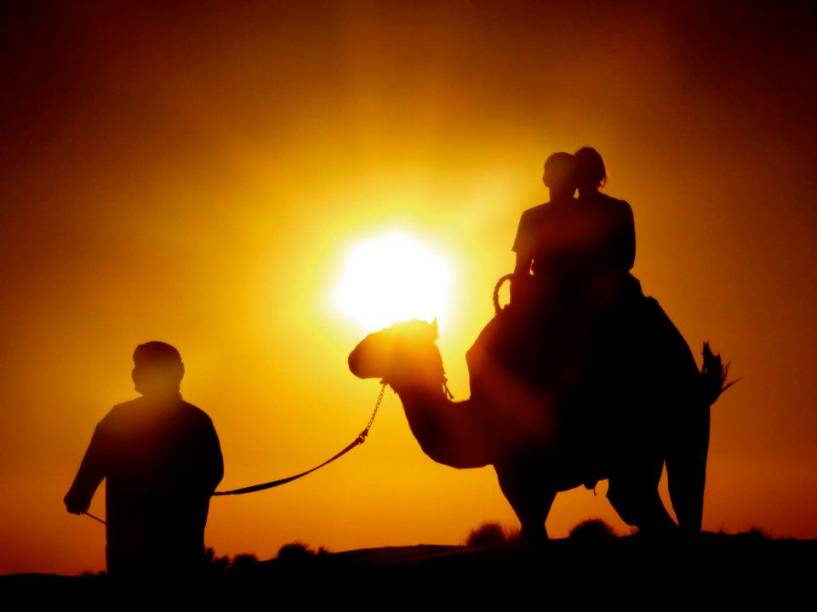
<point>534,212</point>
<point>119,416</point>
<point>131,403</point>
<point>123,408</point>
<point>196,413</point>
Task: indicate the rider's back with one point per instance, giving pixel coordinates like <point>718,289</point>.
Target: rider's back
<point>555,237</point>
<point>609,244</point>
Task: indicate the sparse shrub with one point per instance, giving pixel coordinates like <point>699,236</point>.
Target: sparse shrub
<point>243,562</point>
<point>490,535</point>
<point>295,551</point>
<point>217,564</point>
<point>757,533</point>
<point>754,534</point>
<point>91,576</point>
<point>592,530</point>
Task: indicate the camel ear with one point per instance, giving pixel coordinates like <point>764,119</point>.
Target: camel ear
<point>435,330</point>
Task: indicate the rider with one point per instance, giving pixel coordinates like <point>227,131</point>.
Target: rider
<point>635,351</point>
<point>514,341</point>
<point>610,233</point>
<point>544,296</point>
<point>613,296</point>
<point>574,307</point>
<point>573,258</point>
<point>543,234</point>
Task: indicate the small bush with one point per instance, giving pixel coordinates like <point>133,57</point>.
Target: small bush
<point>592,530</point>
<point>295,551</point>
<point>490,535</point>
<point>217,564</point>
<point>244,562</point>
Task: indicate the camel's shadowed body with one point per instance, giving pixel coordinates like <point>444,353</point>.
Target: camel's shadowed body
<point>542,440</point>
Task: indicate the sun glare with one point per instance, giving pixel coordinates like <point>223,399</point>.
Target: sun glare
<point>391,278</point>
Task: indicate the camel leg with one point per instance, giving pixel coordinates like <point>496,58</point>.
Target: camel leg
<point>683,429</point>
<point>633,493</point>
<point>527,491</point>
<point>686,465</point>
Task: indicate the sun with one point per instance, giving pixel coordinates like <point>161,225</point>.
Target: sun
<point>392,277</point>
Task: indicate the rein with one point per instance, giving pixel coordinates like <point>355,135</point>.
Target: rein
<point>360,439</point>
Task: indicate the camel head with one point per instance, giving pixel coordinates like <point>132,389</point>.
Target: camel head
<point>404,354</point>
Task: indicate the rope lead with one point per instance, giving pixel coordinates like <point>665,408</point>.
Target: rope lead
<point>360,439</point>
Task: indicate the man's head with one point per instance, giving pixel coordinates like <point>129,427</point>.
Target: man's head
<point>590,171</point>
<point>560,175</point>
<point>157,369</point>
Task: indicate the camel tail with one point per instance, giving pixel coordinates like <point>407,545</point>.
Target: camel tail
<point>689,440</point>
<point>713,376</point>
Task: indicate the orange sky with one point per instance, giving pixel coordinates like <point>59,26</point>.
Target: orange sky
<point>195,175</point>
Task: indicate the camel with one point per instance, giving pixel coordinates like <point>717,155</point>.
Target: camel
<point>540,443</point>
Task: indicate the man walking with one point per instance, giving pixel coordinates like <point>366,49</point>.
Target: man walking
<point>162,461</point>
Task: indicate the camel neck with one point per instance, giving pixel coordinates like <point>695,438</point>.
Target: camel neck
<point>421,392</point>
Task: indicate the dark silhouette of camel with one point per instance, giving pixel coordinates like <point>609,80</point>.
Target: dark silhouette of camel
<point>531,436</point>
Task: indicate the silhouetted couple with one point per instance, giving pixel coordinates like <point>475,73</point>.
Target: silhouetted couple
<point>162,461</point>
<point>578,324</point>
<point>575,251</point>
<point>572,288</point>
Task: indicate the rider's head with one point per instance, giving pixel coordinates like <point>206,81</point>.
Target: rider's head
<point>590,171</point>
<point>157,369</point>
<point>560,175</point>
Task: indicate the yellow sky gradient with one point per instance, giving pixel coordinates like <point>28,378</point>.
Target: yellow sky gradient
<point>197,177</point>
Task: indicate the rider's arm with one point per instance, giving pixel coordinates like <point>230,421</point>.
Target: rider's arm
<point>521,246</point>
<point>629,239</point>
<point>522,267</point>
<point>521,283</point>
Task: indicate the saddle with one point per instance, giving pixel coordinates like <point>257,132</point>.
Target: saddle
<point>519,344</point>
<point>538,338</point>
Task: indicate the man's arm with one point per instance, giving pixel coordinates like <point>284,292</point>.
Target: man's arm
<point>212,462</point>
<point>217,460</point>
<point>91,472</point>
